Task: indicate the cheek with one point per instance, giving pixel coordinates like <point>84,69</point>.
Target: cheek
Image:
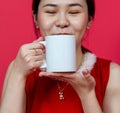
<point>79,29</point>
<point>44,24</point>
<point>81,21</point>
<point>79,25</point>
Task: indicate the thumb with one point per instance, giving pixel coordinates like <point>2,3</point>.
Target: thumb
<point>39,39</point>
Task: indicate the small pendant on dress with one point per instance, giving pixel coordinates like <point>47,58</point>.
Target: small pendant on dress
<point>61,96</point>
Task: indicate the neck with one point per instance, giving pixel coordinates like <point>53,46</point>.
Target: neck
<point>79,57</point>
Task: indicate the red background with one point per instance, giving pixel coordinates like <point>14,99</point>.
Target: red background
<point>16,28</point>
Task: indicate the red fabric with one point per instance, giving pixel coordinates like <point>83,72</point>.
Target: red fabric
<point>42,93</point>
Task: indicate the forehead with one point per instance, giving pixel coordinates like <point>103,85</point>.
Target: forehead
<point>63,2</point>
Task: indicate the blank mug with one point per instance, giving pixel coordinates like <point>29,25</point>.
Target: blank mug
<point>60,53</point>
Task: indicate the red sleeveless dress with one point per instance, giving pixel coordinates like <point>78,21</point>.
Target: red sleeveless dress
<point>42,92</point>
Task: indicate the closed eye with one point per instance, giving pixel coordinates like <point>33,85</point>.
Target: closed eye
<point>74,12</point>
<point>50,12</point>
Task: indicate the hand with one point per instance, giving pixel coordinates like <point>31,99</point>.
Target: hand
<point>29,58</point>
<point>83,84</point>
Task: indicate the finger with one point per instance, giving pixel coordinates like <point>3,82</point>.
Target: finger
<point>85,72</point>
<point>45,74</point>
<point>38,52</point>
<point>31,46</point>
<point>38,40</point>
<point>33,63</point>
<point>34,46</point>
<point>38,58</point>
<point>34,52</point>
<point>40,46</point>
<point>66,75</point>
<point>53,76</point>
<point>30,58</point>
<point>88,76</point>
<point>38,63</point>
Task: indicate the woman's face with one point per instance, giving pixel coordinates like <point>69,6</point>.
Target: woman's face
<point>58,17</point>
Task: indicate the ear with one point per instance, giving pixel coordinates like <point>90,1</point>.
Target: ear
<point>89,22</point>
<point>35,20</point>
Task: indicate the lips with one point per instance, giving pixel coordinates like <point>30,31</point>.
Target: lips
<point>63,34</point>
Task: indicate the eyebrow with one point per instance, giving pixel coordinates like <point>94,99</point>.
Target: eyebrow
<point>52,5</point>
<point>75,4</point>
<point>70,5</point>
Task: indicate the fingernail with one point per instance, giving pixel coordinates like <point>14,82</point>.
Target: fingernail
<point>40,75</point>
<point>85,72</point>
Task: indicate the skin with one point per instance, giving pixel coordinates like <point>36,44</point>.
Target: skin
<point>58,17</point>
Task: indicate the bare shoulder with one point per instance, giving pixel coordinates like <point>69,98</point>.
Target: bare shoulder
<point>112,94</point>
<point>114,66</point>
<point>114,71</point>
<point>114,75</point>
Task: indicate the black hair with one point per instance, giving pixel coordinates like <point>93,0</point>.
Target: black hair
<point>35,6</point>
<point>91,8</point>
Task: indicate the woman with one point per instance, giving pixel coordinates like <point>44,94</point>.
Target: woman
<point>93,88</point>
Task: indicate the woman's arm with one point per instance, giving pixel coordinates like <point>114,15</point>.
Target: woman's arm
<point>13,95</point>
<point>13,98</point>
<point>112,95</point>
<point>111,102</point>
<point>88,97</point>
<point>90,103</point>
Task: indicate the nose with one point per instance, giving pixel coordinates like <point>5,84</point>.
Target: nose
<point>62,21</point>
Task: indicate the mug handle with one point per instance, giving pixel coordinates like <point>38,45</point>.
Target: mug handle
<point>44,65</point>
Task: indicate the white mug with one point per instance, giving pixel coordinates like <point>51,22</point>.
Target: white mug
<point>60,53</point>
